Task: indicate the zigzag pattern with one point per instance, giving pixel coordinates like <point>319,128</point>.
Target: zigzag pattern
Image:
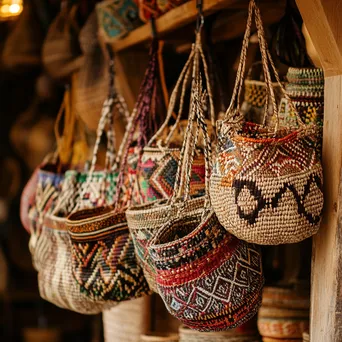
<point>106,268</point>
<point>157,174</point>
<point>267,203</point>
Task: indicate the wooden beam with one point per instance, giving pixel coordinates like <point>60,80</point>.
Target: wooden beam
<point>326,276</point>
<point>323,22</point>
<point>232,24</point>
<point>176,18</point>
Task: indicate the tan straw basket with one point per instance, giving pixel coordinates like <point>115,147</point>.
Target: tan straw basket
<point>159,337</point>
<point>127,321</point>
<point>188,335</point>
<point>61,51</point>
<point>266,186</point>
<point>23,45</point>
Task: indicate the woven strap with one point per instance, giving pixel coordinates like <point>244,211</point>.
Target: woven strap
<point>196,124</point>
<point>71,141</point>
<point>140,120</point>
<point>114,101</point>
<point>178,96</point>
<point>233,113</point>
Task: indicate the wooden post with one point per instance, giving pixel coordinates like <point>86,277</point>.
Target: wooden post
<point>323,21</point>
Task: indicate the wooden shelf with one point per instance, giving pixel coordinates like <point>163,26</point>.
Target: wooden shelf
<point>174,19</point>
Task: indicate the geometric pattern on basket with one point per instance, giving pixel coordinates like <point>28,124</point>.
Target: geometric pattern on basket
<point>100,191</point>
<point>208,279</point>
<point>103,259</point>
<point>55,279</point>
<point>263,203</point>
<point>157,174</point>
<point>47,191</point>
<point>255,93</point>
<point>267,191</point>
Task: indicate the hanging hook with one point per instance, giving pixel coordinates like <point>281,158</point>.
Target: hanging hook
<point>200,17</point>
<point>111,68</point>
<point>153,28</point>
<point>110,51</point>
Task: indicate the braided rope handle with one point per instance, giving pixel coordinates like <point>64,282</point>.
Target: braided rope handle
<point>139,117</point>
<point>113,100</point>
<point>233,113</point>
<point>196,124</point>
<point>200,100</point>
<point>180,84</point>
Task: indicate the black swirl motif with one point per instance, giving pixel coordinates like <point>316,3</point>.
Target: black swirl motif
<point>262,202</point>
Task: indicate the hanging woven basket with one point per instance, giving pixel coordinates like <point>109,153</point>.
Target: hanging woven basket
<point>266,186</point>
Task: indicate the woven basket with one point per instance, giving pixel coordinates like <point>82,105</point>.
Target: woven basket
<point>159,337</point>
<point>23,45</point>
<point>306,91</point>
<point>305,88</point>
<point>117,19</point>
<point>266,186</point>
<point>127,321</point>
<point>188,335</point>
<point>157,172</point>
<point>280,297</point>
<point>112,273</point>
<point>200,272</point>
<point>55,279</point>
<point>54,253</point>
<point>145,220</point>
<point>253,106</point>
<point>195,259</point>
<point>61,52</point>
<point>282,323</point>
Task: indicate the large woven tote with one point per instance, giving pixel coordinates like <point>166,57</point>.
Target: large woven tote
<point>157,175</point>
<point>70,149</point>
<point>112,273</point>
<point>56,279</point>
<point>61,52</point>
<point>266,186</point>
<point>207,278</point>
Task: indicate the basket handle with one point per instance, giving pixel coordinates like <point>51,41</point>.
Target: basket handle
<point>113,100</point>
<point>196,124</point>
<point>233,111</point>
<point>139,118</point>
<point>180,84</point>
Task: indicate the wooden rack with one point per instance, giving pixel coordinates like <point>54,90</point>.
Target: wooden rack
<point>229,25</point>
